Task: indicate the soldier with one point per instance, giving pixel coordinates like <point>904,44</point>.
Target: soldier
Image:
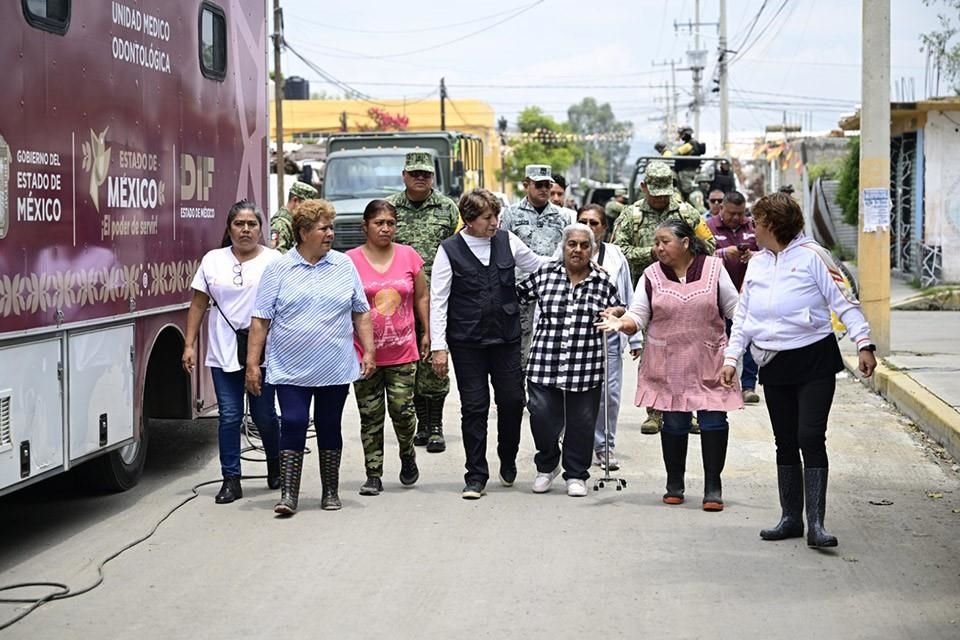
<point>686,168</point>
<point>539,224</point>
<point>281,224</point>
<point>425,218</point>
<point>635,230</point>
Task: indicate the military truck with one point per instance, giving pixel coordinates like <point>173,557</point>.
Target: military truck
<point>704,165</point>
<point>361,167</point>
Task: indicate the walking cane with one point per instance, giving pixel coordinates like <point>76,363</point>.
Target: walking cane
<point>599,483</point>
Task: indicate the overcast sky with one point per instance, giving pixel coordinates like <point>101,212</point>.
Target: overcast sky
<point>552,53</point>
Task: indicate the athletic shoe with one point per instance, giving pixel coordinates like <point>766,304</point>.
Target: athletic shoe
<point>614,463</point>
<point>576,488</point>
<point>372,487</point>
<point>508,474</point>
<point>474,490</point>
<point>541,484</point>
<point>409,473</point>
<point>750,397</point>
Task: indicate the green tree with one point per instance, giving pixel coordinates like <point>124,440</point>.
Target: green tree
<point>942,50</point>
<point>848,193</point>
<point>604,157</point>
<point>542,140</point>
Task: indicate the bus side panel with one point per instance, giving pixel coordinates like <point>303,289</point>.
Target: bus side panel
<point>100,389</point>
<point>32,430</point>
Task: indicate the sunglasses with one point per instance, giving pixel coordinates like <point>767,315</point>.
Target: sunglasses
<point>592,223</point>
<point>238,274</point>
<point>420,174</point>
<point>542,184</point>
<point>716,201</point>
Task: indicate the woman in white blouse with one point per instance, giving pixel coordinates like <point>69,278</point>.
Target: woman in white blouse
<point>474,313</point>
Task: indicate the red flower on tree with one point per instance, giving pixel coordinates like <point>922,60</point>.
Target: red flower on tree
<point>383,121</point>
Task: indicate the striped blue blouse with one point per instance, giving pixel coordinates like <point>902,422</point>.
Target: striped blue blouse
<point>310,342</point>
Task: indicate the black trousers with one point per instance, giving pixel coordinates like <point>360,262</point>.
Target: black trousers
<point>799,413</point>
<point>574,414</point>
<point>476,369</point>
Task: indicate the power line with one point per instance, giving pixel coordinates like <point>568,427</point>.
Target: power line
<point>753,24</point>
<point>400,31</point>
<point>742,50</point>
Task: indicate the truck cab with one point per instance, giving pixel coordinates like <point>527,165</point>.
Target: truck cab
<point>366,166</point>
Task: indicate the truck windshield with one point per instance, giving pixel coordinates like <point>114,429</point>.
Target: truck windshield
<point>363,177</point>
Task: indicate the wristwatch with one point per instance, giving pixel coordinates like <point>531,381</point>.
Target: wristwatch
<point>869,347</point>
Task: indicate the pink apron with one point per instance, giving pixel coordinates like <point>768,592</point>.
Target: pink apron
<point>683,346</point>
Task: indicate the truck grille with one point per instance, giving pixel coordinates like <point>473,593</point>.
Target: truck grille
<point>349,234</point>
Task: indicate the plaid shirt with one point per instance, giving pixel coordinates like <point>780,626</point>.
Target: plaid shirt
<point>567,351</point>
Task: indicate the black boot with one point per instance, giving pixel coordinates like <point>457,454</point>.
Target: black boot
<point>422,435</point>
<point>229,491</point>
<point>273,473</point>
<point>330,478</point>
<point>675,460</point>
<point>291,466</point>
<point>815,483</point>
<point>436,443</point>
<point>790,480</point>
<point>713,447</point>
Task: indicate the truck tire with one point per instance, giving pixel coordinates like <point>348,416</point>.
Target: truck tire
<point>118,470</point>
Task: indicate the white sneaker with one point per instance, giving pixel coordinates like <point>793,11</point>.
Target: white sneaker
<point>576,488</point>
<point>541,484</point>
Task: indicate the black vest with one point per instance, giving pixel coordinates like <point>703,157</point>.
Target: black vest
<point>483,307</point>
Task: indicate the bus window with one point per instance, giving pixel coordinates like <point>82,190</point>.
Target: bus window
<point>213,41</point>
<point>49,15</point>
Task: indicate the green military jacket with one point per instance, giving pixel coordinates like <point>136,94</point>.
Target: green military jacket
<point>636,226</point>
<point>281,230</point>
<point>426,227</point>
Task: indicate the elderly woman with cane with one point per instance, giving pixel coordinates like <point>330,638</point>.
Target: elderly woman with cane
<point>682,300</point>
<point>565,369</point>
<point>790,287</point>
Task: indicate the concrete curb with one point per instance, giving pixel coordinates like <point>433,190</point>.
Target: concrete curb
<point>937,418</point>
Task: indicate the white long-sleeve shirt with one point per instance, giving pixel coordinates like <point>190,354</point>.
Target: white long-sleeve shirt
<point>440,280</point>
<point>615,264</point>
<point>640,310</point>
<point>786,301</point>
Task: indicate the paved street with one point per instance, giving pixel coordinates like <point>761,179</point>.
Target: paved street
<point>422,563</point>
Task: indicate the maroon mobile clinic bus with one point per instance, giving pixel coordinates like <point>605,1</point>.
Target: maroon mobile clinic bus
<point>127,129</point>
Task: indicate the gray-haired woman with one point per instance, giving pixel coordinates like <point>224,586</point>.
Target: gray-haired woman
<point>565,368</point>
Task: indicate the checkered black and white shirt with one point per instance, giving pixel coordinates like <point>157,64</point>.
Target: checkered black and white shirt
<point>567,350</point>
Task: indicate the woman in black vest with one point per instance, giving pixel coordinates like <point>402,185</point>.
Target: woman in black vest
<point>474,313</point>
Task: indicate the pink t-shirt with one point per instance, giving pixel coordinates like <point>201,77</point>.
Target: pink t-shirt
<point>390,295</point>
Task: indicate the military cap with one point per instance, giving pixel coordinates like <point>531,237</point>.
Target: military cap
<point>418,161</point>
<point>659,179</point>
<point>303,191</point>
<point>538,172</point>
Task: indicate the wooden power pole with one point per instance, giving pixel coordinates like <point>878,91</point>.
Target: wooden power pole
<point>278,97</point>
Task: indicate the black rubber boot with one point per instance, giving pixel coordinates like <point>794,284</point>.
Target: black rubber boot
<point>422,435</point>
<point>330,479</point>
<point>713,447</point>
<point>291,467</point>
<point>273,473</point>
<point>790,480</point>
<point>815,483</point>
<point>675,460</point>
<point>229,491</point>
<point>436,443</point>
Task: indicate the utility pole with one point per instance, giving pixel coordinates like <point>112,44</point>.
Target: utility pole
<point>873,246</point>
<point>278,96</point>
<point>443,105</point>
<point>724,100</point>
<point>696,61</point>
<point>673,97</point>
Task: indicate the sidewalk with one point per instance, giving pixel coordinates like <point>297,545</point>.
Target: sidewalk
<point>921,376</point>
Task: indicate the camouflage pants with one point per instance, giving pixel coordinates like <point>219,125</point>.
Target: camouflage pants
<point>429,384</point>
<point>396,383</point>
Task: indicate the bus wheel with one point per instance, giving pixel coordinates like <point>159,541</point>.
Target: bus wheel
<point>118,470</point>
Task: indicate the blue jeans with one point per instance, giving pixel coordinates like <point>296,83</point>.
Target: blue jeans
<point>748,377</point>
<point>229,387</point>
<point>678,422</point>
<point>614,385</point>
<point>327,413</point>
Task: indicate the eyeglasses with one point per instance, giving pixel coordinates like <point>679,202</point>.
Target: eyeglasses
<point>592,223</point>
<point>542,184</point>
<point>420,174</point>
<point>238,274</point>
<point>716,200</point>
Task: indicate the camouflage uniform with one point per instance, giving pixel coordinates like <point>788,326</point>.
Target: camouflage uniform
<point>636,226</point>
<point>281,224</point>
<point>397,382</point>
<point>424,227</point>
